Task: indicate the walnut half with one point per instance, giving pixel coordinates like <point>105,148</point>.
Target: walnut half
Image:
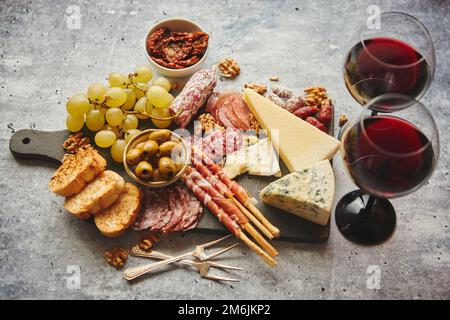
<point>229,68</point>
<point>116,257</point>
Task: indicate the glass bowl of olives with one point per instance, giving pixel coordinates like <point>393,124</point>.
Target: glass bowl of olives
<point>156,157</point>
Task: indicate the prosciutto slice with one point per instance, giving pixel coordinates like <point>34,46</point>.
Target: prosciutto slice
<point>230,110</point>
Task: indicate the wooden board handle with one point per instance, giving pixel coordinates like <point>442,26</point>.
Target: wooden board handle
<point>38,145</point>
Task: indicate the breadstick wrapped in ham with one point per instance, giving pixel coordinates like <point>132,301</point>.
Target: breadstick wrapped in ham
<point>238,191</point>
<point>226,204</point>
<point>193,96</point>
<point>227,221</point>
<point>201,195</point>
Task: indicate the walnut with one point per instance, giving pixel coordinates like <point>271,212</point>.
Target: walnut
<point>342,120</point>
<point>116,257</point>
<point>208,122</point>
<point>258,87</point>
<point>229,68</point>
<point>145,245</point>
<point>147,241</point>
<point>75,142</point>
<point>254,124</point>
<point>316,97</point>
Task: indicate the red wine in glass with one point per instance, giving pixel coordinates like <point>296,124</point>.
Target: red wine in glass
<point>383,65</point>
<point>387,156</point>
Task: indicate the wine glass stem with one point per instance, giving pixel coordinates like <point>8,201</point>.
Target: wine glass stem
<point>368,207</point>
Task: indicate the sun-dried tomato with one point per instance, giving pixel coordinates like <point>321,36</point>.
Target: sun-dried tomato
<point>177,50</point>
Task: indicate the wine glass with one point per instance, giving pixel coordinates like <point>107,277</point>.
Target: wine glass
<point>388,154</point>
<point>395,57</point>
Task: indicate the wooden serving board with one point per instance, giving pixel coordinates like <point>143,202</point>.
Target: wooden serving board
<point>47,146</point>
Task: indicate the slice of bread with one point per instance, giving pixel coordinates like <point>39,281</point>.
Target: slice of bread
<point>76,171</point>
<point>113,221</point>
<point>99,194</point>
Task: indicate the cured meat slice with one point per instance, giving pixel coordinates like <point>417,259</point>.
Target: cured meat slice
<point>191,213</point>
<point>194,94</point>
<point>230,110</point>
<point>151,207</point>
<point>168,209</point>
<point>242,112</point>
<point>223,117</point>
<point>178,209</point>
<point>211,105</point>
<point>219,143</point>
<point>165,215</point>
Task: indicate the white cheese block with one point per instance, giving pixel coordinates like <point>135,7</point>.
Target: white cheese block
<point>307,193</point>
<point>258,159</point>
<point>299,143</point>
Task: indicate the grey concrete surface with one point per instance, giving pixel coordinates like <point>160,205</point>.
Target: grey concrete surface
<point>44,60</point>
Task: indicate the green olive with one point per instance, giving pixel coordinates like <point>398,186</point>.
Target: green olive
<point>166,167</point>
<point>134,156</point>
<point>160,136</point>
<point>149,149</point>
<point>144,170</point>
<point>156,176</point>
<point>165,149</point>
<point>140,145</point>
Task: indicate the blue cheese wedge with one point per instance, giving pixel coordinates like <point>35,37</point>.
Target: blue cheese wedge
<point>307,193</point>
<point>257,159</point>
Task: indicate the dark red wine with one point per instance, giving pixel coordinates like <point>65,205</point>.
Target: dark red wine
<point>387,156</point>
<point>384,65</point>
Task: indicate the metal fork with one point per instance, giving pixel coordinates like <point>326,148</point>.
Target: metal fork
<point>199,252</point>
<point>202,267</point>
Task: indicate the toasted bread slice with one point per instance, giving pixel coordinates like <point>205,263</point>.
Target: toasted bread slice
<point>76,171</point>
<point>113,221</point>
<point>99,194</point>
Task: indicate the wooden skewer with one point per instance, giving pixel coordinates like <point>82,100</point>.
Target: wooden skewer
<point>274,230</point>
<point>267,259</point>
<point>253,219</point>
<point>260,239</point>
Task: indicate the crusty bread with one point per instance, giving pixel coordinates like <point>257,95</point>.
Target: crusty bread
<point>99,194</point>
<point>113,221</point>
<point>76,171</point>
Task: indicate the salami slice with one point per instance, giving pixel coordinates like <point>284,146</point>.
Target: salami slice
<point>177,211</point>
<point>165,215</point>
<point>151,207</point>
<point>192,215</point>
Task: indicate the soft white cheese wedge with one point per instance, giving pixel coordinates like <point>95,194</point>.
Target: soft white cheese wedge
<point>258,159</point>
<point>307,193</point>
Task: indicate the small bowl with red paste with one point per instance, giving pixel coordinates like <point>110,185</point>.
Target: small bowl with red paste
<point>176,47</point>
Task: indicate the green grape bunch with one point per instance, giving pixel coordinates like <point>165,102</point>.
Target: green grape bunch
<point>113,111</point>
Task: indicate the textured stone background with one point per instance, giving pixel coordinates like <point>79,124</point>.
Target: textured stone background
<point>43,62</point>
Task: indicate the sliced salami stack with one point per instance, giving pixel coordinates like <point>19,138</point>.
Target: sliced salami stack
<point>168,209</point>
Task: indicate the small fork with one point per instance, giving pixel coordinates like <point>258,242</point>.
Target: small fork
<point>199,252</point>
<point>202,267</point>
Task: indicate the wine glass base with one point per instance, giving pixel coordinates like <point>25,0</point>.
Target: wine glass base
<point>372,226</point>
